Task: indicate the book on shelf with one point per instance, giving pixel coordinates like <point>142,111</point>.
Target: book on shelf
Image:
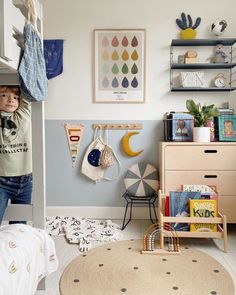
<point>208,192</point>
<point>203,188</point>
<point>225,111</point>
<point>167,206</point>
<point>206,209</point>
<point>179,207</point>
<point>210,123</point>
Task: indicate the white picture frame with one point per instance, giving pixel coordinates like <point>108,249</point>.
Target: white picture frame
<point>119,65</point>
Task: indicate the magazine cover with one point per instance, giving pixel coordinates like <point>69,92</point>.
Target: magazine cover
<point>203,208</point>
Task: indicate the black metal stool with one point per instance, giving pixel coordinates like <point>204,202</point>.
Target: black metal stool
<point>150,200</point>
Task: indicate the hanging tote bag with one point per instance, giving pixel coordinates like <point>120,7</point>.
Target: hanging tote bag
<point>32,69</point>
<point>91,165</point>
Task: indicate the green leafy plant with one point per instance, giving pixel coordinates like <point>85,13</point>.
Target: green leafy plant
<point>201,113</point>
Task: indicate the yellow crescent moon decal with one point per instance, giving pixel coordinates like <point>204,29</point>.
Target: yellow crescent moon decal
<point>126,146</point>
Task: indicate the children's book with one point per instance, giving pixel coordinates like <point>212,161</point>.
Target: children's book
<point>203,188</point>
<point>203,208</point>
<point>210,123</point>
<point>179,206</point>
<point>208,192</point>
<point>167,206</point>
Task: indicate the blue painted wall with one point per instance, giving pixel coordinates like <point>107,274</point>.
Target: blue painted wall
<point>67,186</point>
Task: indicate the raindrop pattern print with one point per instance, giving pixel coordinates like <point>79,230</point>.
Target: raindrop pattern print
<point>105,82</point>
<point>125,69</point>
<point>120,65</point>
<point>115,69</point>
<point>134,69</point>
<point>115,42</point>
<point>134,55</point>
<point>105,69</point>
<point>125,55</point>
<point>115,83</point>
<point>134,42</point>
<point>115,55</point>
<point>125,42</point>
<point>105,55</point>
<point>125,82</point>
<point>134,83</point>
<point>105,42</point>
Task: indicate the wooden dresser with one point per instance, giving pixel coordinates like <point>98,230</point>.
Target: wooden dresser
<point>201,163</point>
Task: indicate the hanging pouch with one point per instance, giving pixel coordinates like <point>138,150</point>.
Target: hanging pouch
<point>32,69</point>
<point>97,158</point>
<point>107,156</point>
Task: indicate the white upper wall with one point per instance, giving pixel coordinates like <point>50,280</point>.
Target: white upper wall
<point>71,93</point>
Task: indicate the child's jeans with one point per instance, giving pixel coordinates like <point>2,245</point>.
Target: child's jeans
<point>18,189</point>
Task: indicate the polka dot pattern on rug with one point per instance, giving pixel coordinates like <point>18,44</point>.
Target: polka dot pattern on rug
<point>130,272</point>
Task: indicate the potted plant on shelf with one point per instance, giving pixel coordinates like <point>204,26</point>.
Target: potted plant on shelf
<point>201,133</point>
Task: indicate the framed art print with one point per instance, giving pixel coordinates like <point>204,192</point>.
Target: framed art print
<point>227,127</point>
<point>119,65</point>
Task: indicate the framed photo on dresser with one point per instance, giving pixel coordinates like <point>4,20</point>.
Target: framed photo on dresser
<point>227,127</point>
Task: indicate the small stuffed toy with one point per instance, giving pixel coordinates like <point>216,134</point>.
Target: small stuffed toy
<point>219,55</point>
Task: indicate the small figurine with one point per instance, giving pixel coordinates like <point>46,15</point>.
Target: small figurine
<point>219,55</point>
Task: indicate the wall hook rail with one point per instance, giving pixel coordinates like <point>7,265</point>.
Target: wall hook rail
<point>133,126</point>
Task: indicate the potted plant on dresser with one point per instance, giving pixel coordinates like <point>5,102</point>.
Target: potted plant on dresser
<point>201,133</point>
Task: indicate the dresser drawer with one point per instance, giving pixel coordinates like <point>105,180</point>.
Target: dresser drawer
<point>224,180</point>
<point>200,157</point>
<point>227,205</point>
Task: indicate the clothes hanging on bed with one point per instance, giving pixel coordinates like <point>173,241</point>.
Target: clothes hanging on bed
<point>32,69</point>
<point>53,54</point>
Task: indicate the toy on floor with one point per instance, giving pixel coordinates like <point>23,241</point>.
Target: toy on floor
<point>157,232</point>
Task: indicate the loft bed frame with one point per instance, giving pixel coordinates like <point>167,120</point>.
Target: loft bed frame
<point>13,14</point>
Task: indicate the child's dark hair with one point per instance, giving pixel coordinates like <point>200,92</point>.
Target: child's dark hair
<point>15,89</point>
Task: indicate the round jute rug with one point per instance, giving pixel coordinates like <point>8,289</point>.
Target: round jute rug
<point>119,268</point>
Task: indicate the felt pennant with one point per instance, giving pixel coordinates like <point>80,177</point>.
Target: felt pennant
<point>53,54</point>
<point>74,135</point>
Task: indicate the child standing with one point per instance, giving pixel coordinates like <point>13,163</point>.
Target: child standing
<point>15,148</point>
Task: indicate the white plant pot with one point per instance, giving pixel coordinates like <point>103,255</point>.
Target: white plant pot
<point>202,134</point>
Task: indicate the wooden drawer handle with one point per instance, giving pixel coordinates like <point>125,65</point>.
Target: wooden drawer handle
<point>210,176</point>
<point>210,151</point>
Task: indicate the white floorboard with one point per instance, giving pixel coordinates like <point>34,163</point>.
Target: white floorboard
<point>135,230</point>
